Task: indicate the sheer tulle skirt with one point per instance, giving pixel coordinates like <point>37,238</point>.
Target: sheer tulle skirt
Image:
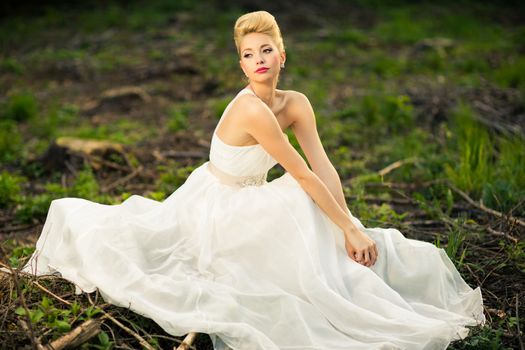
<point>258,267</point>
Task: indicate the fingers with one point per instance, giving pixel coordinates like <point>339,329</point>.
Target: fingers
<point>359,256</point>
<point>366,256</point>
<point>369,256</point>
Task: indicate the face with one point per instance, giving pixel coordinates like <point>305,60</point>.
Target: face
<point>258,51</point>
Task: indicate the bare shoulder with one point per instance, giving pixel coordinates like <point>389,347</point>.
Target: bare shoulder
<point>248,104</point>
<point>242,108</point>
<point>293,97</point>
<point>297,103</point>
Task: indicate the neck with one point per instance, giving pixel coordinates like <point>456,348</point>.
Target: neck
<point>264,91</point>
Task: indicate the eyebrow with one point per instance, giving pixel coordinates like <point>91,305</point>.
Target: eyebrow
<point>248,48</point>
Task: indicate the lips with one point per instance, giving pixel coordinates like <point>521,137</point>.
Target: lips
<point>262,70</point>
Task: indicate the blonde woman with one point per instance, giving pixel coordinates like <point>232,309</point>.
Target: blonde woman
<point>257,264</point>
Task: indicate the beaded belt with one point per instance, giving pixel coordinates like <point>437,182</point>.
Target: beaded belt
<point>237,181</point>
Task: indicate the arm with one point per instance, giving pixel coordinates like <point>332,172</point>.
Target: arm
<point>305,129</point>
<point>261,124</point>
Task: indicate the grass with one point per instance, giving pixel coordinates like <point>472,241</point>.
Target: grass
<point>373,85</point>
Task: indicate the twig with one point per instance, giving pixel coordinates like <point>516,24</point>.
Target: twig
<point>396,165</point>
<point>383,200</point>
<point>51,293</point>
<point>78,335</point>
<point>137,336</point>
<point>499,233</point>
<point>182,154</point>
<point>16,228</point>
<point>522,347</point>
<point>36,343</point>
<point>29,327</point>
<point>484,208</point>
<point>187,342</point>
<point>122,180</point>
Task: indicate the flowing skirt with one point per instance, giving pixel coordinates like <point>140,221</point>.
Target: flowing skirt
<point>257,267</point>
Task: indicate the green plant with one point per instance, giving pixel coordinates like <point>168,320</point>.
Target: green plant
<point>20,107</point>
<point>85,185</point>
<point>178,119</point>
<point>172,176</point>
<point>455,240</point>
<point>9,189</point>
<point>19,254</point>
<point>11,145</point>
<point>56,118</point>
<point>473,169</point>
<point>482,338</point>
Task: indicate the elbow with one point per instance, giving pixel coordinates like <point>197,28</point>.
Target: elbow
<point>305,177</point>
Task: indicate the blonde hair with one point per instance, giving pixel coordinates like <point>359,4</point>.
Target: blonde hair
<point>257,22</point>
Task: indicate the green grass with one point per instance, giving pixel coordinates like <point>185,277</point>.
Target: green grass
<point>364,80</point>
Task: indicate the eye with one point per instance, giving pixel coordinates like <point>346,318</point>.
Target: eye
<point>246,55</point>
<point>268,50</point>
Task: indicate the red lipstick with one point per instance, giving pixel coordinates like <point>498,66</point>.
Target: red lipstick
<point>262,70</point>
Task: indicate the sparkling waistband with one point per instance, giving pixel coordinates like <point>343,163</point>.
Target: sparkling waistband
<point>236,181</point>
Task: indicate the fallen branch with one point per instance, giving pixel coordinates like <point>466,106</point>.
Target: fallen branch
<point>122,180</point>
<point>182,154</point>
<point>400,185</point>
<point>484,208</point>
<point>134,334</point>
<point>137,336</point>
<point>28,327</point>
<point>36,342</point>
<point>499,233</point>
<point>522,347</point>
<point>77,336</point>
<point>383,200</point>
<point>396,165</point>
<point>187,342</point>
<point>44,289</point>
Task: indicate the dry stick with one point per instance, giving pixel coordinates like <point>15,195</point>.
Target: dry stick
<point>484,208</point>
<point>396,165</point>
<point>28,326</point>
<point>51,293</point>
<point>493,269</point>
<point>499,233</point>
<point>473,274</point>
<point>137,336</point>
<point>188,341</point>
<point>78,336</point>
<point>183,154</point>
<point>402,185</point>
<point>37,344</point>
<point>518,322</point>
<point>123,180</point>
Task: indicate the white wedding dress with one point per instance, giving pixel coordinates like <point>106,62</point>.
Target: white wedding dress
<point>256,265</point>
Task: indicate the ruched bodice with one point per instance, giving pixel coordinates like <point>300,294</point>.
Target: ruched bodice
<point>239,160</point>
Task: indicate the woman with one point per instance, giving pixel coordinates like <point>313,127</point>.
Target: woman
<point>258,264</point>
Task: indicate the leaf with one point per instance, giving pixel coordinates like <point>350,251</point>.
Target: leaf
<point>103,338</point>
<point>62,326</point>
<point>20,311</point>
<point>36,315</point>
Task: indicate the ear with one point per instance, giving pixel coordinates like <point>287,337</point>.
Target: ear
<point>283,57</point>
